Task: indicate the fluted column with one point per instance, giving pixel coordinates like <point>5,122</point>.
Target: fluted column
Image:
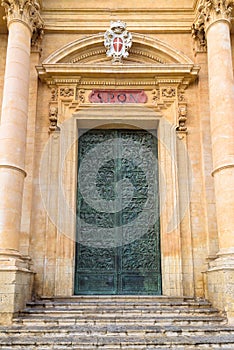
<point>24,24</point>
<point>214,21</point>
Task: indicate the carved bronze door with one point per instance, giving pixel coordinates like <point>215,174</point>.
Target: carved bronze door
<point>118,232</point>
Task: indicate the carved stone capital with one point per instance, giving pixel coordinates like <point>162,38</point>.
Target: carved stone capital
<point>26,11</point>
<point>209,12</point>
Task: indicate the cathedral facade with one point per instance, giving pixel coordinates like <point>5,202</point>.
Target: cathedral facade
<point>116,150</point>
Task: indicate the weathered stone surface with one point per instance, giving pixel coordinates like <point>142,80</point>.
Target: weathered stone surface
<point>105,323</point>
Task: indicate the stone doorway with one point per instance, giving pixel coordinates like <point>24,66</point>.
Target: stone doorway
<point>118,231</point>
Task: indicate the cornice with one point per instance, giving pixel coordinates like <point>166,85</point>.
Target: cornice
<point>140,20</point>
<point>68,72</point>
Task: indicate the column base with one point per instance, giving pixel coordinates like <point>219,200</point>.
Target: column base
<point>16,281</point>
<point>220,284</point>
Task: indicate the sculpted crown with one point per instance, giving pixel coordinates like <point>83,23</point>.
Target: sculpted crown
<point>27,11</point>
<point>118,24</point>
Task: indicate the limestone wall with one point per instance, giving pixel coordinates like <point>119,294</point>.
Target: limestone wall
<point>52,253</point>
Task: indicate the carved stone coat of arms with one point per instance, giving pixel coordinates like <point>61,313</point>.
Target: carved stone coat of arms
<point>117,41</point>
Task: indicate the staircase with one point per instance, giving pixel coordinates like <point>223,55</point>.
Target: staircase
<point>118,322</point>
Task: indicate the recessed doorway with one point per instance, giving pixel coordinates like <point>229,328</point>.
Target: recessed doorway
<point>118,230</point>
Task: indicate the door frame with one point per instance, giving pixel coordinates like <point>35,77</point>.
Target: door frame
<point>61,155</point>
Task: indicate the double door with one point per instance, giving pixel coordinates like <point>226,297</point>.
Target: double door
<point>118,231</point>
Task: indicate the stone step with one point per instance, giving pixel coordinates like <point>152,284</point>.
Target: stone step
<point>79,304</point>
<point>111,323</point>
<point>119,342</point>
<point>120,319</point>
<point>119,347</point>
<point>170,311</point>
<point>125,298</point>
<point>113,329</point>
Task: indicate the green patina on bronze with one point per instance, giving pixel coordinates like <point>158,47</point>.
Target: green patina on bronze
<point>131,266</point>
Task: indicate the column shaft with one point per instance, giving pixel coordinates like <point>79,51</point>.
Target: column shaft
<point>221,88</point>
<point>13,133</point>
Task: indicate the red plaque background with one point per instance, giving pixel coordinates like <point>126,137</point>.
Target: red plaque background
<point>118,96</point>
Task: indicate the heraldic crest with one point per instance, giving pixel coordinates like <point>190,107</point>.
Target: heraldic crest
<point>117,41</point>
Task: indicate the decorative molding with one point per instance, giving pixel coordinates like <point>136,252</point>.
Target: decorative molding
<point>156,96</point>
<point>28,12</point>
<point>168,92</point>
<point>181,93</point>
<point>148,55</point>
<point>54,94</point>
<point>66,92</point>
<point>209,12</point>
<point>81,96</point>
<point>87,55</point>
<point>136,52</point>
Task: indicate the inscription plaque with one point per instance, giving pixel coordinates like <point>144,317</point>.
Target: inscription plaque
<point>118,96</point>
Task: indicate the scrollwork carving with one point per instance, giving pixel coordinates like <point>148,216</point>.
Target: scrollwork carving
<point>156,96</point>
<point>81,96</point>
<point>181,93</point>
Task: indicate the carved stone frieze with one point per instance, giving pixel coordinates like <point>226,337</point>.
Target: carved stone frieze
<point>168,92</point>
<point>27,11</point>
<point>67,92</point>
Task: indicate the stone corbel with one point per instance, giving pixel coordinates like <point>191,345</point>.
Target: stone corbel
<point>53,109</point>
<point>182,114</point>
<point>53,118</point>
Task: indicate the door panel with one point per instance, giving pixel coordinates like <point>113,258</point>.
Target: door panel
<point>118,244</point>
